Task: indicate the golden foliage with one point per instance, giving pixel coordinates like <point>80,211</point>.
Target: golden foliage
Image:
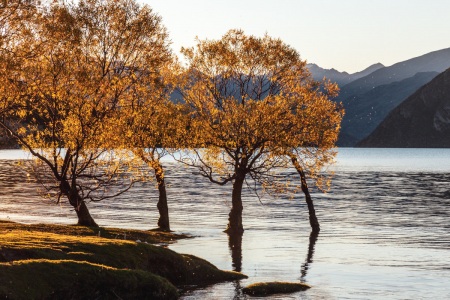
<point>88,59</point>
<point>80,79</point>
<point>253,104</point>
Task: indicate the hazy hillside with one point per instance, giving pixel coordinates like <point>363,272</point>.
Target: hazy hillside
<point>422,120</point>
<point>437,61</point>
<point>341,78</point>
<point>366,111</point>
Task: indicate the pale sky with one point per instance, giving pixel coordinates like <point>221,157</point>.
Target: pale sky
<point>348,35</point>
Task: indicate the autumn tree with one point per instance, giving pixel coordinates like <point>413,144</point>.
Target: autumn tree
<point>253,103</point>
<point>66,96</point>
<point>148,127</point>
<point>317,149</point>
<point>319,137</point>
<point>146,124</point>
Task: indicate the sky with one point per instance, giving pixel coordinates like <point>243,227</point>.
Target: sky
<point>348,35</point>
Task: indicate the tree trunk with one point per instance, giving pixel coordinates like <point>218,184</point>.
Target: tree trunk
<point>163,222</point>
<point>84,217</point>
<point>313,221</point>
<point>235,217</point>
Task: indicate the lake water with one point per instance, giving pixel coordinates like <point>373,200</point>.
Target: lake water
<point>385,226</point>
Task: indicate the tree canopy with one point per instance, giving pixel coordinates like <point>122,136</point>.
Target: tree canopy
<point>88,58</point>
<point>82,82</point>
<point>254,104</point>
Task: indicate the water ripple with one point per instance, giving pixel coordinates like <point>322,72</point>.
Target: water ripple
<point>384,233</point>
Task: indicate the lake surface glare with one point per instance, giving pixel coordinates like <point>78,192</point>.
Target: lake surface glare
<point>385,226</point>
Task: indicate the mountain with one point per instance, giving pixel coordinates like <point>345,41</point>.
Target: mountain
<point>366,71</point>
<point>365,112</point>
<point>422,120</point>
<point>341,78</point>
<point>437,61</point>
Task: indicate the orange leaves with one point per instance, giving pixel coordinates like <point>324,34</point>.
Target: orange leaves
<point>101,75</point>
<point>253,102</point>
<point>73,76</point>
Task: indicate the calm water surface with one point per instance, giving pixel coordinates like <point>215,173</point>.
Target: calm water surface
<point>385,226</point>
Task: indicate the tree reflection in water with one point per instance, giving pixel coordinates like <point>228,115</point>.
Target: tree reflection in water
<point>235,245</point>
<point>309,257</point>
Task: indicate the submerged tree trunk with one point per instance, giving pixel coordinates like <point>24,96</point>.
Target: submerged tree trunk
<point>313,221</point>
<point>84,217</point>
<point>235,216</point>
<point>152,161</point>
<point>163,222</point>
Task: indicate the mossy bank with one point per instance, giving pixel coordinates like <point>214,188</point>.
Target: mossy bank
<point>72,262</point>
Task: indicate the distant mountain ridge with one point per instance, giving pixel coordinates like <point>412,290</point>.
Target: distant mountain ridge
<point>421,121</point>
<point>341,78</point>
<point>369,99</point>
<point>366,111</point>
<point>436,61</point>
<point>381,89</point>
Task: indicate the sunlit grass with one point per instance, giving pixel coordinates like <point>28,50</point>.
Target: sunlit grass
<point>152,237</point>
<point>56,251</point>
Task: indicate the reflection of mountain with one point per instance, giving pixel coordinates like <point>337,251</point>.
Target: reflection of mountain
<point>422,120</point>
<point>341,78</point>
<point>369,99</point>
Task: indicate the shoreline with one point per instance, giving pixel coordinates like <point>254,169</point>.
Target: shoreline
<point>126,263</point>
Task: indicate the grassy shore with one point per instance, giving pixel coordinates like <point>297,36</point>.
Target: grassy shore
<point>55,261</point>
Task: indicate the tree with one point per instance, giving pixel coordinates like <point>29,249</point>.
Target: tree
<point>301,161</point>
<point>149,126</point>
<point>253,102</point>
<point>66,96</point>
<point>319,149</point>
<point>146,122</point>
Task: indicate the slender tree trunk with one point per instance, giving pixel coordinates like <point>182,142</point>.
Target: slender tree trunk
<point>313,221</point>
<point>235,215</point>
<point>84,217</point>
<point>163,222</point>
